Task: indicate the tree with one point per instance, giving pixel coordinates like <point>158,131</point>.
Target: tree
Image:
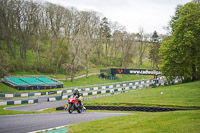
<point>154,49</point>
<point>196,1</point>
<point>127,43</point>
<point>115,44</point>
<point>8,21</point>
<point>89,28</point>
<point>105,29</point>
<point>181,52</point>
<point>5,63</point>
<point>142,39</point>
<point>62,54</point>
<point>55,16</point>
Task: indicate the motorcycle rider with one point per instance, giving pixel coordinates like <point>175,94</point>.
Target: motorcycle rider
<point>77,94</point>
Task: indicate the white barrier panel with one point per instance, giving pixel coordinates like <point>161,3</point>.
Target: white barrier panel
<point>124,84</point>
<point>118,85</point>
<point>52,99</point>
<point>120,89</point>
<point>69,91</point>
<point>130,84</point>
<point>87,89</point>
<point>65,97</point>
<point>103,91</point>
<point>37,94</point>
<point>59,92</point>
<point>95,88</point>
<point>111,86</point>
<point>30,101</point>
<point>3,103</point>
<point>103,87</point>
<point>9,95</point>
<point>85,94</point>
<point>142,82</point>
<point>17,102</point>
<point>111,90</point>
<point>134,87</point>
<point>136,83</point>
<point>127,88</point>
<point>94,92</point>
<point>24,95</point>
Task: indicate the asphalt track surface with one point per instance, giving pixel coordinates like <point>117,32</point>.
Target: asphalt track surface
<point>43,104</point>
<point>38,106</point>
<point>34,122</point>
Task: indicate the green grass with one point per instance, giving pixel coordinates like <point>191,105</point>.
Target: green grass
<point>142,122</point>
<point>91,80</point>
<point>95,80</point>
<point>146,64</point>
<point>92,69</point>
<point>35,73</point>
<point>5,88</point>
<point>181,95</point>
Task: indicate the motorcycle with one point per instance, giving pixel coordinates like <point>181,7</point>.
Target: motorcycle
<point>73,104</point>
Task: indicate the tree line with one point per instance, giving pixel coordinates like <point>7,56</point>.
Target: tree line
<point>58,38</point>
<point>44,37</point>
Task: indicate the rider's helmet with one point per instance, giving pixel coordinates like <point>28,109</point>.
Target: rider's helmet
<point>75,91</point>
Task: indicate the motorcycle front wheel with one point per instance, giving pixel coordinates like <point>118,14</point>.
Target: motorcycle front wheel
<point>71,108</point>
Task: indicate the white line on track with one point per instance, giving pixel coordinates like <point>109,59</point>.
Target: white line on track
<point>48,129</point>
<point>18,106</point>
<point>43,109</point>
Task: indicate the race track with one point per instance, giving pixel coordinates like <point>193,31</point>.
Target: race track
<point>38,106</point>
<point>34,122</point>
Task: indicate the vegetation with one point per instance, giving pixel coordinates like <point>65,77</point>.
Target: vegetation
<point>154,50</point>
<point>5,88</point>
<point>142,122</point>
<point>48,38</point>
<point>91,80</point>
<point>180,52</point>
<point>179,96</point>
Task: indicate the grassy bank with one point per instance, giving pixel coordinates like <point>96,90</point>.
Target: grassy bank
<point>185,95</point>
<point>5,88</point>
<point>91,80</point>
<point>141,122</point>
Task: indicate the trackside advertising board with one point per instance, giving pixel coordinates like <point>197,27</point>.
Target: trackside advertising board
<point>135,71</point>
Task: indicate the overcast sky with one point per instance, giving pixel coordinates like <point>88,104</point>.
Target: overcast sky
<point>150,15</point>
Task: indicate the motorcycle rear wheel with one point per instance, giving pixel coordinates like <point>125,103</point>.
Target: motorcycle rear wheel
<point>79,110</point>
